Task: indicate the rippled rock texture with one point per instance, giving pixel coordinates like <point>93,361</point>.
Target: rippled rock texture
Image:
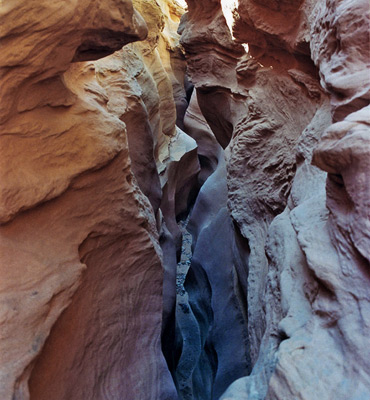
<point>104,148</point>
<point>89,177</point>
<point>284,92</point>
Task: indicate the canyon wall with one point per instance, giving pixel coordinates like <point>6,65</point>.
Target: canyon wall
<point>254,127</point>
<point>284,86</point>
<point>90,155</point>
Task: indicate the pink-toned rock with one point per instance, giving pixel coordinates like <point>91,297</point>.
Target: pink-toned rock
<point>343,152</point>
<point>258,107</point>
<point>307,302</point>
<point>104,222</point>
<point>341,51</point>
<point>340,47</point>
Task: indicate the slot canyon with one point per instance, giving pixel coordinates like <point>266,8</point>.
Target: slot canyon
<point>185,200</point>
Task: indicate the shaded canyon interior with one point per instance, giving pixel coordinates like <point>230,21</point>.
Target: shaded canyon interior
<point>185,200</point>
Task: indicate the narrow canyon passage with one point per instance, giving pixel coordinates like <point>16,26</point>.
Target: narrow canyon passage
<point>184,200</point>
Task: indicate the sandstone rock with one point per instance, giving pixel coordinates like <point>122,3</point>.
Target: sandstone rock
<point>340,47</point>
<point>341,52</point>
<point>307,265</point>
<point>101,157</point>
<point>39,43</point>
<point>209,150</point>
<point>177,180</point>
<point>118,75</point>
<point>174,150</point>
<point>213,325</point>
<point>343,152</point>
<point>273,27</point>
<point>81,265</point>
<point>90,222</point>
<point>257,111</point>
<point>290,287</point>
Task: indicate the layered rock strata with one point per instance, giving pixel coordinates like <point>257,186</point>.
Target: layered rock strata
<point>271,108</point>
<point>88,148</point>
<point>101,157</point>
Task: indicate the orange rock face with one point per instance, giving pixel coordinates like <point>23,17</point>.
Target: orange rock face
<point>81,266</point>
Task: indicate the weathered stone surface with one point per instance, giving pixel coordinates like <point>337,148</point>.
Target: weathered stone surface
<point>308,240</point>
<point>343,152</point>
<point>340,46</point>
<point>335,238</point>
<point>175,152</point>
<point>94,221</point>
<point>272,28</point>
<point>341,52</point>
<point>100,158</point>
<point>38,45</point>
<point>81,263</point>
<point>258,110</point>
<point>86,354</point>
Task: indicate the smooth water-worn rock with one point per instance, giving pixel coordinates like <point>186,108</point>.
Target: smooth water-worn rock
<point>209,150</point>
<point>212,320</point>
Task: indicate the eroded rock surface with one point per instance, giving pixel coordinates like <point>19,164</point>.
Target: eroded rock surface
<point>271,108</point>
<point>104,149</point>
<point>87,151</point>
